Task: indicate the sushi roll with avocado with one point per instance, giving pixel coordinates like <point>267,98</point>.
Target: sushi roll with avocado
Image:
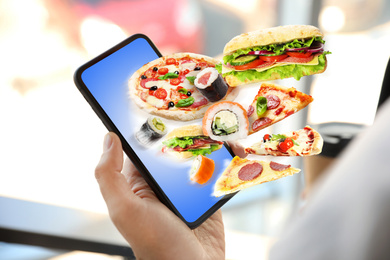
<point>226,121</point>
<point>211,84</point>
<point>152,130</point>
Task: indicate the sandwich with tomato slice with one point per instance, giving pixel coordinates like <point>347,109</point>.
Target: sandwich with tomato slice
<point>189,141</point>
<point>274,53</point>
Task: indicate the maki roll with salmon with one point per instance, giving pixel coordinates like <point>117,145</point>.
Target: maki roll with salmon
<point>202,169</point>
<point>151,131</point>
<point>211,84</point>
<point>226,121</point>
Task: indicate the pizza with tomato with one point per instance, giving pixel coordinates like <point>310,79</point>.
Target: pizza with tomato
<point>303,142</point>
<point>165,86</point>
<point>244,173</point>
<point>274,103</point>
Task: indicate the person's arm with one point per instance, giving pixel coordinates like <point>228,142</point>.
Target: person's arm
<point>150,228</point>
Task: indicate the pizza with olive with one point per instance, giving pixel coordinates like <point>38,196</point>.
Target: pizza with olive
<point>165,86</point>
<point>244,173</point>
<point>302,142</point>
<point>274,103</point>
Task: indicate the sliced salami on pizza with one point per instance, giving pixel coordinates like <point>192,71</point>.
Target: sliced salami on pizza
<point>165,86</point>
<point>274,103</point>
<point>303,142</point>
<point>244,173</point>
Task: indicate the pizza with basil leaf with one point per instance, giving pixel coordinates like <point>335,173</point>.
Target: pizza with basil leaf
<point>274,103</point>
<point>165,86</point>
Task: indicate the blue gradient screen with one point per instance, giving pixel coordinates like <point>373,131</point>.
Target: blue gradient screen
<point>107,80</point>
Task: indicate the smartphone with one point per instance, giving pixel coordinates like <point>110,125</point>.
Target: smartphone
<point>103,82</point>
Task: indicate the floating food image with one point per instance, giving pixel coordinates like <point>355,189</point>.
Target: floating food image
<point>165,87</point>
<point>151,131</point>
<point>188,141</point>
<point>273,103</point>
<point>303,142</point>
<point>211,84</point>
<point>274,53</point>
<point>226,121</point>
<point>202,169</point>
<point>244,173</point>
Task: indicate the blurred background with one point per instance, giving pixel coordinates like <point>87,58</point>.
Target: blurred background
<point>50,204</point>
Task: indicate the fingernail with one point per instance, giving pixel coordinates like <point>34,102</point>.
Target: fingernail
<point>107,142</point>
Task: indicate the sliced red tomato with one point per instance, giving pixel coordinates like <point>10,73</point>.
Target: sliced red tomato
<point>285,145</point>
<point>160,93</point>
<point>298,54</point>
<point>250,65</point>
<point>170,61</point>
<point>175,81</point>
<point>163,71</point>
<point>150,73</point>
<point>273,58</point>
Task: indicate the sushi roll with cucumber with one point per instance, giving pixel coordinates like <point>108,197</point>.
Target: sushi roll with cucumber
<point>152,130</point>
<point>226,121</point>
<point>211,84</point>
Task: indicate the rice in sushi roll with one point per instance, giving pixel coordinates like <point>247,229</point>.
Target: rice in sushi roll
<point>226,121</point>
<point>211,84</point>
<point>152,130</point>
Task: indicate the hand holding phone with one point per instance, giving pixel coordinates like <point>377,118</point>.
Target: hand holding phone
<point>104,83</point>
<point>152,230</point>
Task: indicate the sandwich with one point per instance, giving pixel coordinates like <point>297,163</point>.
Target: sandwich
<point>188,141</point>
<point>274,53</point>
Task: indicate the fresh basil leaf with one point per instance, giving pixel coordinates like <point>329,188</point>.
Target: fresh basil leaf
<point>185,102</point>
<point>277,137</point>
<point>261,106</point>
<point>191,79</point>
<point>182,90</point>
<point>218,67</point>
<point>169,75</point>
<point>294,142</point>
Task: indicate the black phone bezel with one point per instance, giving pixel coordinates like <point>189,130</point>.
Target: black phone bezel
<point>125,145</point>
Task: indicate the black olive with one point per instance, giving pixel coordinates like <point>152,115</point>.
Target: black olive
<point>176,72</point>
<point>189,93</point>
<point>143,77</point>
<point>197,68</point>
<point>155,69</point>
<point>153,88</point>
<point>171,104</point>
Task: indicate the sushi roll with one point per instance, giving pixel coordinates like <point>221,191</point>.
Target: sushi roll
<point>152,130</point>
<point>225,121</point>
<point>211,84</point>
<point>202,169</point>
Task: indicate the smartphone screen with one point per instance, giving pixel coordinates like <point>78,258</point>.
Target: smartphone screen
<point>104,83</point>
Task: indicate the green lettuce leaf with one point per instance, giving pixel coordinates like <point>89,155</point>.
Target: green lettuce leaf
<point>286,71</point>
<point>276,48</point>
<point>204,151</point>
<point>183,142</point>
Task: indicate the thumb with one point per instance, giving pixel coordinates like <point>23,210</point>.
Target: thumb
<point>113,185</point>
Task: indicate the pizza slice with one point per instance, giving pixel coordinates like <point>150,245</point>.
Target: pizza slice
<point>274,103</point>
<point>244,173</point>
<point>303,142</point>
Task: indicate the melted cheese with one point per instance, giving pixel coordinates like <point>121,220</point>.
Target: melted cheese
<point>155,101</point>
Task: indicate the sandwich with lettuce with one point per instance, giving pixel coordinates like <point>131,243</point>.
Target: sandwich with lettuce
<point>274,53</point>
<point>188,141</point>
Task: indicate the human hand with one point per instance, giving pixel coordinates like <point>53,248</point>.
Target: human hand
<point>151,229</point>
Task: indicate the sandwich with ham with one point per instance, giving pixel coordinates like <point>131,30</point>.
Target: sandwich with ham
<point>188,141</point>
<point>274,53</point>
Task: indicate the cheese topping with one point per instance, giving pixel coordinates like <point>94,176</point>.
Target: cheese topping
<point>155,101</point>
